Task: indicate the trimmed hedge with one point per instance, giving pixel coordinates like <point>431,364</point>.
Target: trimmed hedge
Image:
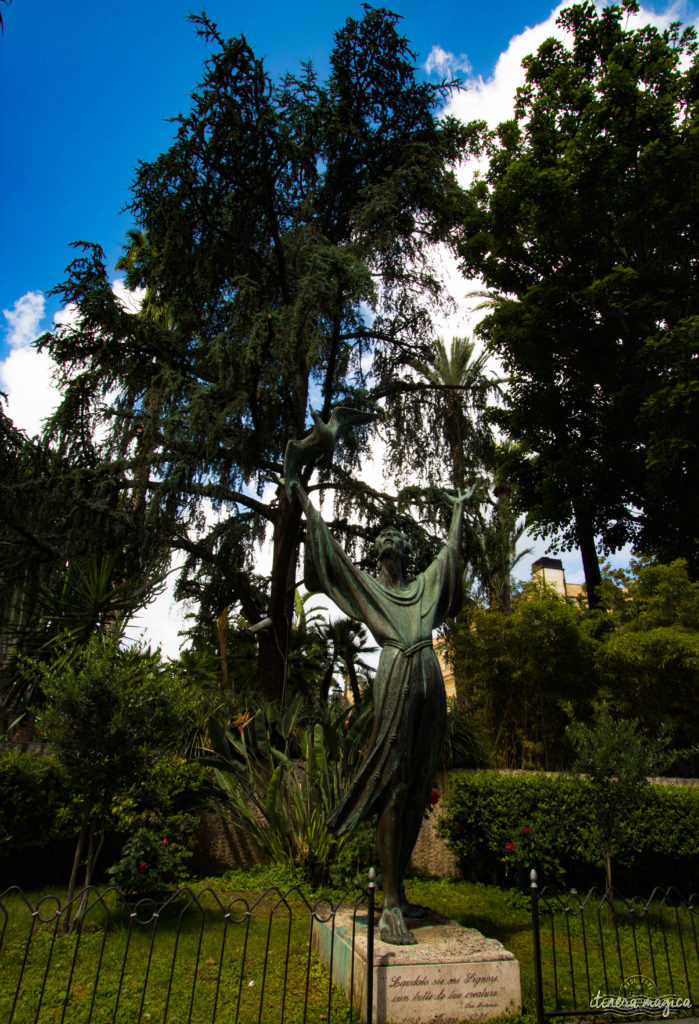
<point>502,825</point>
<point>38,819</point>
<point>36,806</point>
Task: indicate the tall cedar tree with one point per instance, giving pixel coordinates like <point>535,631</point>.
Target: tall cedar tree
<point>285,240</point>
<point>585,225</point>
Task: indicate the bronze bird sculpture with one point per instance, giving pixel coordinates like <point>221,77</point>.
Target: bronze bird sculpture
<point>317,447</point>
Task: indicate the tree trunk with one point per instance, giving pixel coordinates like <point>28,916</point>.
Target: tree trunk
<point>274,642</point>
<point>82,836</point>
<point>90,861</point>
<point>593,577</point>
<point>610,891</point>
<point>325,683</point>
<point>505,526</point>
<point>354,684</point>
<point>222,626</point>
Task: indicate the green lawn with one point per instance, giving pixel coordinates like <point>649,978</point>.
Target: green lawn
<point>584,946</point>
<point>195,961</point>
<point>188,963</point>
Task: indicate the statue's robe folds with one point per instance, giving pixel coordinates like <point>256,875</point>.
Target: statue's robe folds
<point>409,698</point>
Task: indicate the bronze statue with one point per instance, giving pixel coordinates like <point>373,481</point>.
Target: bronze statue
<point>396,775</point>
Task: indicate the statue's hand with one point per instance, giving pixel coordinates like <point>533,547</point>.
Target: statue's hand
<point>463,496</point>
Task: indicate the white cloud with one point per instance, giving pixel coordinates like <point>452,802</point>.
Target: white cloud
<point>445,64</point>
<point>26,376</point>
<point>492,99</point>
<point>24,319</point>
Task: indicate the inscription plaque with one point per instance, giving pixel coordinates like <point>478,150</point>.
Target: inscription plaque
<point>453,974</point>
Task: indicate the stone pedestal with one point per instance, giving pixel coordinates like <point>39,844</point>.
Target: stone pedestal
<point>453,974</point>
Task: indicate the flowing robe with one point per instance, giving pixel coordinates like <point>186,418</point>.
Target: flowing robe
<point>409,698</point>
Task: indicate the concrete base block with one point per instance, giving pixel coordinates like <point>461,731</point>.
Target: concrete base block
<point>453,974</point>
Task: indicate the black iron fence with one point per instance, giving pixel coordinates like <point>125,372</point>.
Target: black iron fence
<point>198,957</point>
<point>600,954</point>
<point>195,957</point>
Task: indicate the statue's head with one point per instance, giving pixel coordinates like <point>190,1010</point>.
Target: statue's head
<point>392,542</point>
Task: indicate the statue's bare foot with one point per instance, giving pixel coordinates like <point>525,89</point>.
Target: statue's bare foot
<point>392,928</point>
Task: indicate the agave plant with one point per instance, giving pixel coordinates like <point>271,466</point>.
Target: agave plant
<point>281,778</point>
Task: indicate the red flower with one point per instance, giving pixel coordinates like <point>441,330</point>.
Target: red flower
<point>434,797</point>
<point>527,830</point>
<point>143,867</point>
<point>510,847</point>
<point>165,839</point>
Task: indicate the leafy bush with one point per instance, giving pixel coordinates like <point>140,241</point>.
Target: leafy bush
<point>155,815</point>
<point>486,813</point>
<point>36,805</point>
<point>38,819</point>
<point>354,858</point>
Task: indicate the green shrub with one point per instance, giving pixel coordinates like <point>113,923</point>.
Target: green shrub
<point>37,808</point>
<point>151,863</point>
<point>486,814</point>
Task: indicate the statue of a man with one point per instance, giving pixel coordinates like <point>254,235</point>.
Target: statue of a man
<point>396,776</point>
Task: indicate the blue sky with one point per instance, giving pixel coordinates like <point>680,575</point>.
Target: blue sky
<point>87,90</point>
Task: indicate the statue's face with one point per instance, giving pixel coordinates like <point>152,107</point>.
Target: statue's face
<point>390,543</point>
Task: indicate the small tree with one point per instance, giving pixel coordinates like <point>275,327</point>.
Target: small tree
<point>514,670</point>
<point>109,716</point>
<point>618,758</point>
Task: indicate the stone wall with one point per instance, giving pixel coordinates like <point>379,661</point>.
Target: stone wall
<point>220,846</point>
<point>431,854</point>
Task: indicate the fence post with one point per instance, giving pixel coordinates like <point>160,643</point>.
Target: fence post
<point>537,948</point>
<point>370,948</point>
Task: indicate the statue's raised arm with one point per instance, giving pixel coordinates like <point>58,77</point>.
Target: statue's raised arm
<point>396,776</point>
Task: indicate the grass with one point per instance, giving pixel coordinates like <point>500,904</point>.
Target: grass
<point>580,943</point>
<point>193,962</point>
<point>190,963</point>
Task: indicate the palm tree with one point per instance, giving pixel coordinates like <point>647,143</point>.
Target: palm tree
<point>348,641</point>
<point>461,391</point>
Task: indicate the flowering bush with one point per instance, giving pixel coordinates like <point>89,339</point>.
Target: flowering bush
<point>486,811</point>
<point>151,864</point>
<point>525,851</point>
